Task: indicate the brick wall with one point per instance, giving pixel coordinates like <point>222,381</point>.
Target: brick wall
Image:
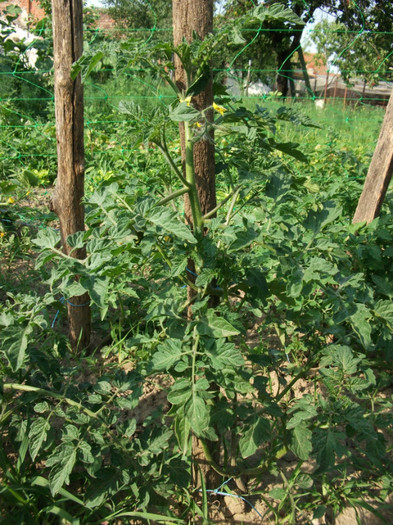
<point>30,8</point>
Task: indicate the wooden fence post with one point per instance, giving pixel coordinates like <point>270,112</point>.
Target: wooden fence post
<point>69,191</point>
<point>379,172</point>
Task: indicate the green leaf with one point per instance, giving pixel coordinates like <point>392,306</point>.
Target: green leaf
<point>327,443</point>
<point>236,37</point>
<point>243,239</point>
<point>345,359</point>
<point>278,493</point>
<point>215,326</point>
<point>167,355</point>
<point>6,319</point>
<point>182,429</point>
<point>198,85</point>
<point>80,65</point>
<point>184,113</point>
<point>304,410</point>
<point>384,310</point>
<point>17,345</point>
<point>317,220</point>
<point>300,443</point>
<point>180,392</point>
<point>160,442</point>
<point>37,435</point>
<point>39,481</point>
<point>360,321</point>
<point>225,355</point>
<point>62,464</point>
<point>276,12</point>
<point>168,221</point>
<point>84,450</point>
<point>319,512</point>
<point>62,514</point>
<point>290,148</point>
<point>47,238</point>
<point>254,436</point>
<point>197,414</point>
<point>318,266</point>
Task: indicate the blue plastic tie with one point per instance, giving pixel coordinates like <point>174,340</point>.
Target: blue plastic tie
<point>63,300</point>
<point>219,492</point>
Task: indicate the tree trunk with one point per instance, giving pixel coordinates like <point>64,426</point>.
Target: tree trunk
<point>69,191</point>
<point>379,173</point>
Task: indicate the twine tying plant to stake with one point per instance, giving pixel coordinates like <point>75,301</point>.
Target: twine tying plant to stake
<point>219,492</point>
<point>63,300</point>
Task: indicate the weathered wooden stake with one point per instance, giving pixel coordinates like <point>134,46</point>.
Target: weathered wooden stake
<point>189,16</point>
<point>379,172</point>
<point>69,191</point>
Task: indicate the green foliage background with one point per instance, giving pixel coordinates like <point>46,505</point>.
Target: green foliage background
<point>305,298</point>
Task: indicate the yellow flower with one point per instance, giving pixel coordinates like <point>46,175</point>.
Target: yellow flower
<point>11,200</point>
<point>187,100</point>
<point>218,108</point>
<point>198,125</point>
<point>2,234</point>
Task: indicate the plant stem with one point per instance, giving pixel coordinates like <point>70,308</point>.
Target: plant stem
<point>191,181</point>
<point>162,146</point>
<point>212,212</point>
<point>172,196</point>
<point>71,402</point>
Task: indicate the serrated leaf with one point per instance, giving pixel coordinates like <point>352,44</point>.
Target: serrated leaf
<point>103,387</point>
<point>317,220</point>
<point>182,429</point>
<point>168,221</point>
<point>47,238</point>
<point>300,443</point>
<point>303,414</point>
<point>183,113</point>
<point>167,355</point>
<point>384,310</point>
<point>37,435</point>
<point>84,450</point>
<point>159,442</point>
<point>225,355</point>
<point>215,326</point>
<point>254,436</point>
<point>40,408</point>
<point>62,464</point>
<point>276,12</point>
<point>360,322</point>
<point>180,392</point>
<point>197,414</point>
<point>17,345</point>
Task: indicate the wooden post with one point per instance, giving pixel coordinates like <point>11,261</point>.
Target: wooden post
<point>379,173</point>
<point>67,198</point>
<point>248,78</point>
<point>326,86</point>
<point>345,95</point>
<point>189,16</point>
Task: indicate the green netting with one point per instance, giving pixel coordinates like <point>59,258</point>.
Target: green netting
<point>27,127</point>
